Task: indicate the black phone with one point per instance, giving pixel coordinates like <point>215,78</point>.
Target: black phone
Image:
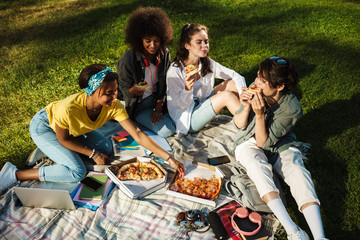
<point>91,183</point>
<point>218,160</point>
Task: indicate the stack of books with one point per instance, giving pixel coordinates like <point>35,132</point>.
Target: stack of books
<point>86,197</point>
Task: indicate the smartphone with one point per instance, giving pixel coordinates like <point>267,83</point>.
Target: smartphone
<point>91,183</point>
<point>218,160</point>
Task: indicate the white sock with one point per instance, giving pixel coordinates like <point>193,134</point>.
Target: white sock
<point>278,208</point>
<point>313,219</point>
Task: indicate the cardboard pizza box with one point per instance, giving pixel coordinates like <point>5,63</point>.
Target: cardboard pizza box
<point>197,169</point>
<point>137,189</point>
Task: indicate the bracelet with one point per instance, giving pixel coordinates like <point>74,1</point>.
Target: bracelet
<point>96,155</point>
<point>93,153</point>
<point>170,156</point>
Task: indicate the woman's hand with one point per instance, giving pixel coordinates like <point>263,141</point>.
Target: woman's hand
<point>190,81</point>
<point>101,158</point>
<point>156,117</point>
<point>245,98</point>
<point>177,165</point>
<point>135,90</point>
<point>258,104</point>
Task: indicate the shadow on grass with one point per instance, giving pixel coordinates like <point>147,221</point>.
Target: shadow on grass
<point>331,171</point>
<point>87,21</point>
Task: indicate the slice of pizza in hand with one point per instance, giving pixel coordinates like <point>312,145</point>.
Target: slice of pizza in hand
<point>191,70</point>
<point>253,89</point>
<point>142,85</point>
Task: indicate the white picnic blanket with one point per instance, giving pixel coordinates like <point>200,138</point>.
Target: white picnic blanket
<point>119,217</point>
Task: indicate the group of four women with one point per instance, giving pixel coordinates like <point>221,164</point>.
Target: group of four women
<point>173,101</point>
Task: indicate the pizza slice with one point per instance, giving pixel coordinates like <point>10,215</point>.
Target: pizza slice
<point>191,70</point>
<point>142,85</point>
<point>150,171</point>
<point>253,89</point>
<point>129,171</point>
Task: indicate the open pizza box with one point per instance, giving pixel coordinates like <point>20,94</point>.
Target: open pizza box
<point>137,189</point>
<point>196,169</point>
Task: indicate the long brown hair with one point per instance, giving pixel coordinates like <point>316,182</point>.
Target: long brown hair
<point>187,31</point>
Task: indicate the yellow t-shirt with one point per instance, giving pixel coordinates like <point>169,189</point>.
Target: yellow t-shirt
<point>70,113</point>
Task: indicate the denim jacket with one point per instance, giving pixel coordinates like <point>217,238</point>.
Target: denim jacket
<point>131,70</point>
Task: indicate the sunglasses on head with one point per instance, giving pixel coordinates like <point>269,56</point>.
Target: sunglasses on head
<point>278,60</point>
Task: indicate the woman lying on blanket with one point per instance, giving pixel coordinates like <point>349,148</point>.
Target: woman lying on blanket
<point>149,32</point>
<point>66,129</point>
<point>265,143</point>
<point>192,99</point>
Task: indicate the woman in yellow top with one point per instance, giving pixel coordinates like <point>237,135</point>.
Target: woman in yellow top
<point>67,128</point>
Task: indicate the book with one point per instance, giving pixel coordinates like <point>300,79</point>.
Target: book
<point>129,142</point>
<point>91,204</point>
<point>88,194</point>
<point>123,134</point>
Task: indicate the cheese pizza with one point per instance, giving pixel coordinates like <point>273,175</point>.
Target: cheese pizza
<point>199,187</point>
<point>139,171</point>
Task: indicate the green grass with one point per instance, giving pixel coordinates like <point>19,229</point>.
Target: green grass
<point>45,44</point>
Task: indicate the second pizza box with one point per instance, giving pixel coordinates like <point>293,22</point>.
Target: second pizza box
<point>196,169</point>
<point>137,189</point>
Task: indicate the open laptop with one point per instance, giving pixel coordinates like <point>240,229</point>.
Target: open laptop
<point>47,195</point>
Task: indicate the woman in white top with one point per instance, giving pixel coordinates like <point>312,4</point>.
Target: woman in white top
<point>192,100</point>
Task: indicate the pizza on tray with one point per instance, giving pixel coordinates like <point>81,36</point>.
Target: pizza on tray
<point>138,171</point>
<point>199,187</point>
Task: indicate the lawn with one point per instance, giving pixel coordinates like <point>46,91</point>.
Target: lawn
<point>45,44</point>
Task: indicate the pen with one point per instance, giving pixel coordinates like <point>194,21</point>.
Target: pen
<point>121,148</point>
<point>129,147</point>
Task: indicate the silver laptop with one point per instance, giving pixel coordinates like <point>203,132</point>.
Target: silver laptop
<point>47,195</point>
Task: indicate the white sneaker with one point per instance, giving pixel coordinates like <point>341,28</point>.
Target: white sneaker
<point>34,156</point>
<point>323,238</point>
<point>7,177</point>
<point>299,235</point>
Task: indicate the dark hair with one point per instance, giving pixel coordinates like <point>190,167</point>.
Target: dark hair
<point>187,31</point>
<point>148,21</point>
<point>278,74</point>
<point>90,70</point>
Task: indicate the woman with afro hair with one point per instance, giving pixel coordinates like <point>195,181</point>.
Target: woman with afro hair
<point>142,69</point>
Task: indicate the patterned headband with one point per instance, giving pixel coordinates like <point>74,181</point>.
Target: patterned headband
<point>96,80</point>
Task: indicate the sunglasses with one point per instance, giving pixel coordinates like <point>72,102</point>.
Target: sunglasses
<point>279,60</point>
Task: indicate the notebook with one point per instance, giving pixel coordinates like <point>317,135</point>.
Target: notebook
<point>88,194</point>
<point>47,195</point>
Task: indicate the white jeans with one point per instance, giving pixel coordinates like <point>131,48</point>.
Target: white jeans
<point>289,166</point>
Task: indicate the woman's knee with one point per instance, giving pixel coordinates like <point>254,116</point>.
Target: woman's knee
<point>76,175</point>
<point>166,132</point>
